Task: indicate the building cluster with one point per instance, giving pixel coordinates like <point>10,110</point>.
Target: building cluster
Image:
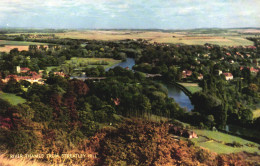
<point>182,132</point>
<point>28,75</point>
<point>31,76</point>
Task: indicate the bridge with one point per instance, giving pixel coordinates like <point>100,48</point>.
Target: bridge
<point>89,78</point>
<point>152,75</point>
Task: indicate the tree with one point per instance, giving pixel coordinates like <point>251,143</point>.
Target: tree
<point>42,112</point>
<point>79,87</point>
<point>12,86</point>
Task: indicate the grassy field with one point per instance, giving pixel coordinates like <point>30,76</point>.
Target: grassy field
<point>75,65</point>
<point>217,142</point>
<point>12,98</point>
<point>90,62</point>
<point>21,45</point>
<point>192,87</point>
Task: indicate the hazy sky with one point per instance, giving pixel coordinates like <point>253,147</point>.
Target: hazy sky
<point>163,14</point>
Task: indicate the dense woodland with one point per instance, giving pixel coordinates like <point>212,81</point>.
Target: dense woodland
<point>66,114</point>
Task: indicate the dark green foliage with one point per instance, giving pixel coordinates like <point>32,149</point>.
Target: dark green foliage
<point>21,142</point>
<point>43,113</point>
<point>12,86</point>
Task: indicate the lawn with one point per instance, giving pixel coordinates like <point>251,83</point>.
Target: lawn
<point>12,98</point>
<point>216,142</point>
<point>192,87</point>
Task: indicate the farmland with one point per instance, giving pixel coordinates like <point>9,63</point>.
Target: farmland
<point>223,37</point>
<point>21,45</point>
<point>221,143</point>
<point>228,38</point>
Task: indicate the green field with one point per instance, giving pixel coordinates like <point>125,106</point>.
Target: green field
<point>192,87</point>
<point>216,142</point>
<point>12,98</point>
<point>92,62</point>
<point>75,65</point>
<point>19,43</point>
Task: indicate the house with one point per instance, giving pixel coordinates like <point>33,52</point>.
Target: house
<point>24,69</point>
<point>189,134</point>
<point>182,132</point>
<point>228,76</point>
<point>32,78</point>
<point>253,70</point>
<point>231,61</point>
<point>116,101</point>
<point>200,77</point>
<point>219,72</point>
<point>186,73</point>
<point>60,74</point>
<point>228,54</point>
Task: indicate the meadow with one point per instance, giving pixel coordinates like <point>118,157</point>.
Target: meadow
<point>92,62</point>
<point>220,142</point>
<point>192,87</point>
<point>78,64</point>
<point>12,98</point>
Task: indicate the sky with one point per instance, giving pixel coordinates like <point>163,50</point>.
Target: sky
<point>129,14</point>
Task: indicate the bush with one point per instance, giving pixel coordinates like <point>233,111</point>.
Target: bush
<point>202,156</point>
<point>236,144</point>
<point>21,142</point>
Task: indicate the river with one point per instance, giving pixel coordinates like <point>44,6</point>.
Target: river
<point>130,62</point>
<point>174,92</point>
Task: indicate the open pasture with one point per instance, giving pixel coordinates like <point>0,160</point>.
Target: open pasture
<point>92,62</point>
<point>220,142</point>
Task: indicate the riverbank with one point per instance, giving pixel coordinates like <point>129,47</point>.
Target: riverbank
<point>185,90</point>
<point>190,86</point>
